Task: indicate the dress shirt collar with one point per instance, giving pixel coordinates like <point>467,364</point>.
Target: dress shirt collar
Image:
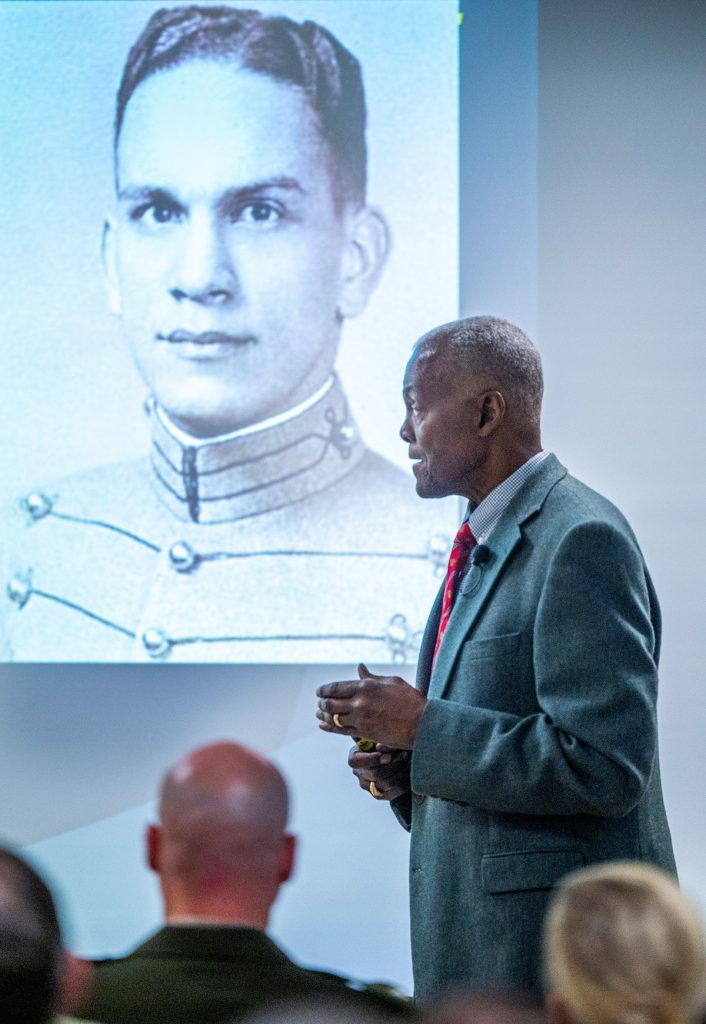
<point>484,517</point>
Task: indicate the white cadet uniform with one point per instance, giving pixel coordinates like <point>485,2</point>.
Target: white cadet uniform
<point>288,541</point>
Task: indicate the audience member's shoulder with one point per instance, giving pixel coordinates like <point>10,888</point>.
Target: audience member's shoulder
<point>377,996</point>
<point>71,1020</point>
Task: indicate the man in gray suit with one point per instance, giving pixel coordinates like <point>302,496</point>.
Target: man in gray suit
<point>529,746</point>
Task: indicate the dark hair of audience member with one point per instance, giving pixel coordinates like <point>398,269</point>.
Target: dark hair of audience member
<point>30,945</point>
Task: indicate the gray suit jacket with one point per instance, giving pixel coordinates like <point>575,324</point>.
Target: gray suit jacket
<point>537,752</point>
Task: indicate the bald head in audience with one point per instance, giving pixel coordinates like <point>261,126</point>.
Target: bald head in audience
<point>221,849</point>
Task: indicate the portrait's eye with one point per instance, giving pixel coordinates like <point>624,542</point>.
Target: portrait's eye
<point>263,212</point>
<point>157,212</point>
<point>162,214</point>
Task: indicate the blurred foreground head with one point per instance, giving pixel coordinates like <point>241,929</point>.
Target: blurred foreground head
<point>623,945</point>
<point>221,848</point>
<point>373,1004</point>
<point>491,1006</point>
<point>37,977</point>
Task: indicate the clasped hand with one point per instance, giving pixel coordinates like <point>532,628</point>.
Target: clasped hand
<point>384,709</point>
<point>388,769</point>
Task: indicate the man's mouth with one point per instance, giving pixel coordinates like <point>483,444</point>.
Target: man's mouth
<point>183,337</point>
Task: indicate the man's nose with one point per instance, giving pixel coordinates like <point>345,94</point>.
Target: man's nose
<point>202,270</point>
<point>406,432</point>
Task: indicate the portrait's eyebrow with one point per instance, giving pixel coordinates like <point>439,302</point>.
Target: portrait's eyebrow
<point>238,193</point>
<point>133,193</point>
<point>256,189</point>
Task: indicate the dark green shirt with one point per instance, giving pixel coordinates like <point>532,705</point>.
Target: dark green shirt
<point>190,974</point>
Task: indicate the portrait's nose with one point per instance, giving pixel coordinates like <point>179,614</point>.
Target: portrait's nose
<point>202,270</point>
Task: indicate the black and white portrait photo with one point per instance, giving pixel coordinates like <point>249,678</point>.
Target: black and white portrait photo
<point>226,234</point>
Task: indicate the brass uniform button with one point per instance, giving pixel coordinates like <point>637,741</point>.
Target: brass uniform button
<point>156,642</point>
<point>182,556</point>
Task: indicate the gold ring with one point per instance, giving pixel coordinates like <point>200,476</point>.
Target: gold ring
<point>337,721</point>
<point>374,791</point>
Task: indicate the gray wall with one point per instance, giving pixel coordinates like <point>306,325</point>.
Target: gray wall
<point>622,307</point>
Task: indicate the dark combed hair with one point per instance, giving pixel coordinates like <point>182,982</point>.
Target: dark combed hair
<point>30,944</point>
<point>305,55</point>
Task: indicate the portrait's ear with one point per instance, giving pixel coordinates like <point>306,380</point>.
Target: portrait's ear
<point>367,246</point>
<point>110,268</point>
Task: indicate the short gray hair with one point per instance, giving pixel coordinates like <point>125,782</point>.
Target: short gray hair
<point>489,347</point>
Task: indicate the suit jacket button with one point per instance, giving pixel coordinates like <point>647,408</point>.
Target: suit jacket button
<point>418,798</point>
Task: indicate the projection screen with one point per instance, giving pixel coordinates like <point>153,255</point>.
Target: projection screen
<point>205,334</point>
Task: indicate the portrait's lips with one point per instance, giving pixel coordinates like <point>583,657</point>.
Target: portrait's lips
<point>183,337</point>
<point>205,346</point>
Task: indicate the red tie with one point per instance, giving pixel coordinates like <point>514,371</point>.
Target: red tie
<point>460,550</point>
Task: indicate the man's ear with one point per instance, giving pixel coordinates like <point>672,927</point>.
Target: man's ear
<point>492,412</point>
<point>287,856</point>
<point>110,267</point>
<point>153,837</point>
<point>367,246</point>
<point>75,980</point>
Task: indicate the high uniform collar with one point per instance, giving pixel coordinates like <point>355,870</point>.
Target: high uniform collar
<point>219,941</point>
<point>258,468</point>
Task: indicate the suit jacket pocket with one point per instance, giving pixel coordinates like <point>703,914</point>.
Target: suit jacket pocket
<point>490,646</point>
<point>535,869</point>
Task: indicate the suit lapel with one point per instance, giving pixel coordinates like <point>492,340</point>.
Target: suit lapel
<point>480,581</point>
<point>426,649</point>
